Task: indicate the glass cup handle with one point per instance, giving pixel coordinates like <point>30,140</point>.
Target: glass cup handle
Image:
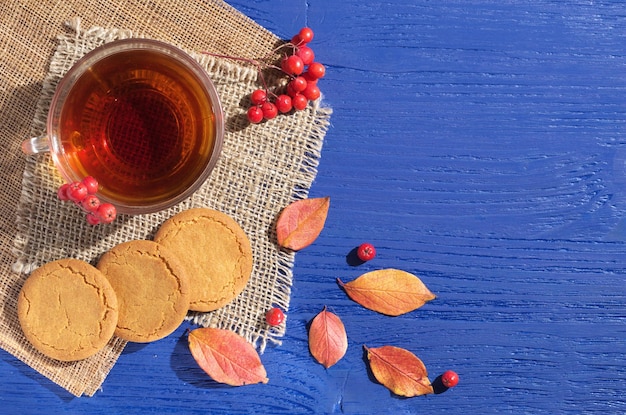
<point>36,145</point>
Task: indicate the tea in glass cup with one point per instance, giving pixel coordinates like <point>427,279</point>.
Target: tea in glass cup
<point>140,116</point>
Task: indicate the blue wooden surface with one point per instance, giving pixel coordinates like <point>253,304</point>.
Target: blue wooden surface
<point>478,144</point>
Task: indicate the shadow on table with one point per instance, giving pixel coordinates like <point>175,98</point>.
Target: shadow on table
<point>352,259</point>
<point>132,347</point>
<point>32,374</point>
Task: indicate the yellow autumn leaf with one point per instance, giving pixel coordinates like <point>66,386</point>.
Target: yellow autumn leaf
<point>226,357</point>
<point>388,291</point>
<point>300,223</point>
<point>328,340</point>
<point>399,370</point>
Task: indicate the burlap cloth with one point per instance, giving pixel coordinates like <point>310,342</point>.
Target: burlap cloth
<point>262,168</point>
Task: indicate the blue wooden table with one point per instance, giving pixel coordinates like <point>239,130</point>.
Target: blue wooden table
<point>478,144</point>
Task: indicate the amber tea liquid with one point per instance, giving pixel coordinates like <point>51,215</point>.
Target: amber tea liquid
<point>140,124</point>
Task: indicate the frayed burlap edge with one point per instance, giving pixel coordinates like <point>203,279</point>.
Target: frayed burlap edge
<point>38,191</point>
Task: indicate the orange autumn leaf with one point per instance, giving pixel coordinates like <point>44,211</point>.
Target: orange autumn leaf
<point>328,341</point>
<point>388,291</point>
<point>226,357</point>
<point>399,370</point>
<point>301,222</point>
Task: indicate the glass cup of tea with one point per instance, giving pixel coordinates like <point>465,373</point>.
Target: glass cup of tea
<point>140,116</point>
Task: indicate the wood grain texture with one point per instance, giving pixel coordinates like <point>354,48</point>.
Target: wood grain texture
<point>477,144</point>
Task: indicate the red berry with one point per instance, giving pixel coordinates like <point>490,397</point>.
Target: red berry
<point>255,114</point>
<point>449,379</point>
<point>93,218</point>
<point>306,54</point>
<point>90,203</point>
<point>298,84</point>
<point>91,184</point>
<point>62,192</point>
<point>309,78</point>
<point>283,103</point>
<point>106,212</point>
<point>366,251</point>
<point>299,101</point>
<point>290,91</point>
<point>269,110</point>
<point>76,192</point>
<point>275,316</point>
<point>316,70</point>
<point>305,34</point>
<point>296,40</point>
<point>258,97</point>
<point>292,65</point>
<point>311,92</point>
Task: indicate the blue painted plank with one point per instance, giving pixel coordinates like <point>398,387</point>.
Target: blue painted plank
<point>477,144</point>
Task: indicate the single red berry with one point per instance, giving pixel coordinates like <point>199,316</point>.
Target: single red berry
<point>299,102</point>
<point>90,203</point>
<point>306,54</point>
<point>255,114</point>
<point>449,379</point>
<point>311,92</point>
<point>316,70</point>
<point>309,78</point>
<point>91,184</point>
<point>93,218</point>
<point>275,316</point>
<point>258,97</point>
<point>292,65</point>
<point>296,40</point>
<point>107,213</point>
<point>283,103</point>
<point>305,34</point>
<point>76,192</point>
<point>366,251</point>
<point>298,84</point>
<point>290,91</point>
<point>269,110</point>
<point>62,192</point>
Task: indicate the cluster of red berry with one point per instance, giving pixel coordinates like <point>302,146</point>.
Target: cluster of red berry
<point>303,73</point>
<point>83,194</point>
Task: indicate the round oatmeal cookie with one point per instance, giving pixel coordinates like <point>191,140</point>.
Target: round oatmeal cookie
<point>152,288</point>
<point>215,251</point>
<point>67,309</point>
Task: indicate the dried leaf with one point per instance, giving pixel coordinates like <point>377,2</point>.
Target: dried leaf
<point>226,357</point>
<point>399,370</point>
<point>301,222</point>
<point>328,341</point>
<point>388,291</point>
